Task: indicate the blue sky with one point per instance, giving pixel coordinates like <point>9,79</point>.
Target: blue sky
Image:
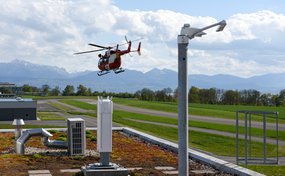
<point>49,32</point>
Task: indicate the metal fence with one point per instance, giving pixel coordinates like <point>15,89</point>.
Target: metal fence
<point>250,157</point>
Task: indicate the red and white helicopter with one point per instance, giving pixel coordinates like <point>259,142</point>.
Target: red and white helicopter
<point>111,60</point>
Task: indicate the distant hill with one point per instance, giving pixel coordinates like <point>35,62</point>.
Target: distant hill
<point>21,72</point>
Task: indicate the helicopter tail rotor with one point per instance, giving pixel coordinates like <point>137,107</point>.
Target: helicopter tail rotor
<point>139,48</point>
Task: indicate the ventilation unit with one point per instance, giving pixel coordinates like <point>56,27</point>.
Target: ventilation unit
<point>76,136</point>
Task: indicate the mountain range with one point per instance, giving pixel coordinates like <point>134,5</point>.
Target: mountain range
<point>21,72</point>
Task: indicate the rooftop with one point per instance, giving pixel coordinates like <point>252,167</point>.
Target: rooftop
<point>17,99</point>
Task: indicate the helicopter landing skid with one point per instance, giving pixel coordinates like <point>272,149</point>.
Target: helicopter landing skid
<point>119,70</point>
<point>103,73</point>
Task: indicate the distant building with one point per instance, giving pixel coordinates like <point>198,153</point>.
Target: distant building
<point>5,84</point>
<point>12,90</point>
<point>11,108</point>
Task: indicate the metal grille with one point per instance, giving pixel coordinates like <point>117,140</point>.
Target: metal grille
<point>77,139</point>
<point>76,136</point>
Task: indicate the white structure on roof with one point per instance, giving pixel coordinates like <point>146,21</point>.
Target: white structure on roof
<point>104,125</point>
<point>18,123</point>
<point>76,136</point>
<point>104,143</point>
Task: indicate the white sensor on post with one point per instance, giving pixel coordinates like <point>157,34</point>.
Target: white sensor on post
<point>104,124</point>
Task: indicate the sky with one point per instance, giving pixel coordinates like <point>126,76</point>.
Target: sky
<point>49,32</point>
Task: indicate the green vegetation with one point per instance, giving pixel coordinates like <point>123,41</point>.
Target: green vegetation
<point>268,170</point>
<point>52,131</point>
<point>49,116</point>
<point>37,156</point>
<point>209,142</point>
<point>90,136</point>
<point>154,105</point>
<point>83,113</point>
<point>212,143</point>
<point>80,104</point>
<point>62,137</point>
<point>205,125</point>
<point>221,111</point>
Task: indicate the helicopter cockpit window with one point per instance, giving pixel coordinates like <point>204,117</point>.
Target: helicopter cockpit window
<point>100,61</point>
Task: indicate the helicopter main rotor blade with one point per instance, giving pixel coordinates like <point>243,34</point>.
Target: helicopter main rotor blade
<point>127,41</point>
<point>99,46</point>
<point>90,51</point>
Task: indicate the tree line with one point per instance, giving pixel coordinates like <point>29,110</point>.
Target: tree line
<point>69,90</point>
<point>196,95</point>
<point>216,96</point>
<point>235,97</point>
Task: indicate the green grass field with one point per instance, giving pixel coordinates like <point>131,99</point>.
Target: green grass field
<point>204,141</point>
<point>206,125</point>
<point>49,116</point>
<point>221,111</point>
<point>80,104</point>
<point>268,170</point>
<point>215,144</point>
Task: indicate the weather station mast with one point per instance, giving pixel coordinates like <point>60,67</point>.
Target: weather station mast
<point>187,33</point>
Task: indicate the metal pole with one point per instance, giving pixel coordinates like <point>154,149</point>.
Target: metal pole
<point>277,157</point>
<point>105,158</point>
<point>182,106</point>
<point>237,135</point>
<point>249,132</point>
<point>264,138</point>
<point>245,137</point>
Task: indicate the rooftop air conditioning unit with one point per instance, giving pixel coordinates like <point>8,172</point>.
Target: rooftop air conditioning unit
<point>76,136</point>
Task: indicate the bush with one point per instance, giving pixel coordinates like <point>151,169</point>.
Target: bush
<point>93,138</point>
<point>52,131</point>
<point>62,139</point>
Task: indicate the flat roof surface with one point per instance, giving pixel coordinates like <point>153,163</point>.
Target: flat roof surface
<point>15,100</point>
<point>75,119</point>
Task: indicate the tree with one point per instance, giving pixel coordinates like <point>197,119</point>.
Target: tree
<point>45,89</point>
<point>212,94</point>
<point>253,97</point>
<point>265,99</point>
<point>147,94</point>
<point>68,90</point>
<point>230,97</point>
<point>55,91</point>
<point>82,90</point>
<point>168,91</point>
<point>160,95</point>
<point>203,95</point>
<point>89,92</point>
<point>138,94</point>
<point>193,95</point>
<point>27,88</point>
<point>282,97</point>
<point>175,94</point>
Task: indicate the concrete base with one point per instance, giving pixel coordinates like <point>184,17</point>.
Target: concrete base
<point>99,170</point>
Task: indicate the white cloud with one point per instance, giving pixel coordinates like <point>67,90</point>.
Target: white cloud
<point>202,62</point>
<point>48,32</point>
